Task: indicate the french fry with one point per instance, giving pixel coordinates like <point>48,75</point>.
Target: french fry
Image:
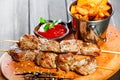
<point>82,11</point>
<point>73,10</point>
<point>91,9</point>
<point>82,2</point>
<point>104,1</point>
<point>101,14</point>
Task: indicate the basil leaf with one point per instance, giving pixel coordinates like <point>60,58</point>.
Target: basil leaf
<point>53,23</point>
<point>42,20</point>
<point>46,27</point>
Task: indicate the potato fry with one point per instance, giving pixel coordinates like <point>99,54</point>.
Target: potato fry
<point>107,14</point>
<point>101,14</point>
<point>82,2</point>
<point>82,11</point>
<point>91,9</point>
<point>73,10</point>
<point>104,2</point>
<point>85,17</point>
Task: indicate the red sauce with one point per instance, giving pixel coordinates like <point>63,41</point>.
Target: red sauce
<point>55,32</point>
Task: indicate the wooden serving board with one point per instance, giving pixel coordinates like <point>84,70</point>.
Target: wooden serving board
<point>108,64</point>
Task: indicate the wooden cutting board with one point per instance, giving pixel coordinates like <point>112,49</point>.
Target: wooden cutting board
<point>108,63</point>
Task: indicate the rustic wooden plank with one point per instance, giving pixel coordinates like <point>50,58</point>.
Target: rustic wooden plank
<point>48,9</point>
<point>116,17</point>
<point>57,10</point>
<point>68,2</point>
<point>13,20</point>
<point>38,8</point>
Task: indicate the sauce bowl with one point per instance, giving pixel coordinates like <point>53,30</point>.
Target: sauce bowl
<point>56,38</point>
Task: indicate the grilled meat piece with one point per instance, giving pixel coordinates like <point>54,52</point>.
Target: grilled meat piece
<point>71,45</point>
<point>79,47</point>
<point>81,64</point>
<point>84,66</point>
<point>46,59</point>
<point>90,49</point>
<point>65,46</point>
<point>28,42</point>
<point>21,55</point>
<point>63,61</point>
<point>49,45</point>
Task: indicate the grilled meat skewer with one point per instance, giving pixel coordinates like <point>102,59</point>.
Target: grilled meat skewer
<point>46,59</point>
<point>74,46</point>
<point>21,55</point>
<point>67,62</point>
<point>84,65</point>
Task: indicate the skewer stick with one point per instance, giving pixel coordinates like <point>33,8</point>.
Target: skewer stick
<point>105,68</point>
<point>100,67</point>
<point>112,52</point>
<point>2,50</point>
<point>105,51</point>
<point>11,40</point>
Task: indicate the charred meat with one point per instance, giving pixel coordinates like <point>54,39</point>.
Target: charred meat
<point>67,62</point>
<point>21,55</point>
<point>84,65</point>
<point>49,45</point>
<point>63,61</point>
<point>46,59</point>
<point>28,42</point>
<point>71,45</point>
<point>90,49</point>
<point>65,46</point>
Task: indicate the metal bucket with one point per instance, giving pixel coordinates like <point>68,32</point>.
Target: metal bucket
<point>90,30</point>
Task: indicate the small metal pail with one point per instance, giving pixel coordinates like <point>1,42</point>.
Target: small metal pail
<point>90,30</point>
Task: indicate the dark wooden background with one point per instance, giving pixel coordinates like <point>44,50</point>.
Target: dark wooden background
<point>18,17</point>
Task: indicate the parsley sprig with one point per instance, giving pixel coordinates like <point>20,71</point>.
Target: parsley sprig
<point>48,25</point>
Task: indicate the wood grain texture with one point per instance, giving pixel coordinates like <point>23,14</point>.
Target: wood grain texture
<point>57,10</point>
<point>48,9</point>
<point>38,8</point>
<point>13,20</point>
<point>116,16</point>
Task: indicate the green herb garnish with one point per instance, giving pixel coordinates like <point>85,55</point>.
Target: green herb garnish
<point>42,20</point>
<point>48,25</point>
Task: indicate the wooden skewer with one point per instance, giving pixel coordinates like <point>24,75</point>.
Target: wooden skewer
<point>2,50</point>
<point>105,68</point>
<point>104,51</point>
<point>112,52</point>
<point>11,40</point>
<point>100,67</point>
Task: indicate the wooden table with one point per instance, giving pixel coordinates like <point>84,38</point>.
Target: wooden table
<point>18,17</point>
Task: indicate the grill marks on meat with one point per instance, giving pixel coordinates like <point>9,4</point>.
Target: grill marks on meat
<point>79,47</point>
<point>46,59</point>
<point>90,49</point>
<point>53,54</point>
<point>65,46</point>
<point>28,42</point>
<point>63,61</point>
<point>67,62</point>
<point>49,45</point>
<point>71,45</point>
<point>21,55</point>
<point>84,65</point>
